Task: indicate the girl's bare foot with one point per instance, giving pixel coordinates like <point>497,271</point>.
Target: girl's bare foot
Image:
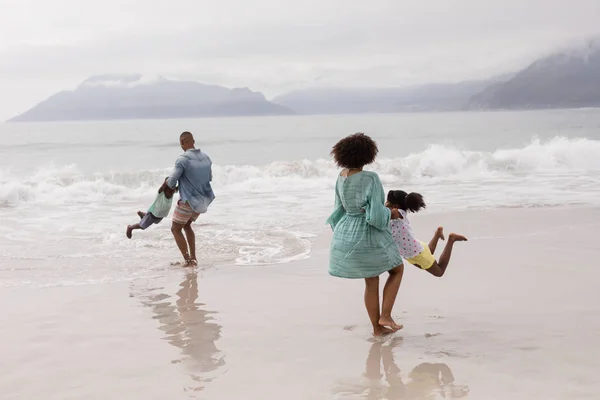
<point>389,322</point>
<point>439,232</point>
<point>455,237</point>
<point>382,331</point>
<point>141,214</point>
<point>129,231</point>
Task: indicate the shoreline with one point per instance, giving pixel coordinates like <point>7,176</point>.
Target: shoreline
<point>291,330</point>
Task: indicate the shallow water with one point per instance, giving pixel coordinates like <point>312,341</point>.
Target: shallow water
<point>69,189</point>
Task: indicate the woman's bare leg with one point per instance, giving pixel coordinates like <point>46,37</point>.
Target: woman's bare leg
<point>390,291</point>
<point>372,305</point>
<point>439,234</point>
<point>373,364</point>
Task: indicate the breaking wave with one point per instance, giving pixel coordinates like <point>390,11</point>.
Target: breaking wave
<point>559,157</point>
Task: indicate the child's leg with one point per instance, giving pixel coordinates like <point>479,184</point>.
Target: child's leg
<point>439,268</point>
<point>130,229</point>
<point>439,234</point>
<point>141,214</point>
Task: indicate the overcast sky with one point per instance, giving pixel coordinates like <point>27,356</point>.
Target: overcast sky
<point>276,45</point>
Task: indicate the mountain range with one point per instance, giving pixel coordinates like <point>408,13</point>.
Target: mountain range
<point>132,96</point>
<point>429,97</point>
<point>565,79</point>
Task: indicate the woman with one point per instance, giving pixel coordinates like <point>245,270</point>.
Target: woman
<point>362,245</point>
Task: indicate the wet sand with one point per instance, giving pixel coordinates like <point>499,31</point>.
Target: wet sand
<point>515,317</point>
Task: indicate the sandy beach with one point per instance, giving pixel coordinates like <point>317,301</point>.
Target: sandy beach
<point>515,317</point>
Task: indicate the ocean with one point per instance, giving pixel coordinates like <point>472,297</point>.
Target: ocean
<point>70,189</point>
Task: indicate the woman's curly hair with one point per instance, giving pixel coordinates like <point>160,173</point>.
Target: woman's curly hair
<point>355,151</point>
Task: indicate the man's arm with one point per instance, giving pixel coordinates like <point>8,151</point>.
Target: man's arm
<point>176,174</point>
<point>210,168</point>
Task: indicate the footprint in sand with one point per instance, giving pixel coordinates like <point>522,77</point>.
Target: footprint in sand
<point>350,328</point>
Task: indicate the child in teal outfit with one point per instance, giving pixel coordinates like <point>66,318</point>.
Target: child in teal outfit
<point>157,211</point>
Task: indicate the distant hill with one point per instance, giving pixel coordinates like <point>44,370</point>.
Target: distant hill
<point>107,97</point>
<point>429,97</point>
<point>567,79</point>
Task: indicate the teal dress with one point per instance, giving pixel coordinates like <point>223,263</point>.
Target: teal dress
<point>362,244</point>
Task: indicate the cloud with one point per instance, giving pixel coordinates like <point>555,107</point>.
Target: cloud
<point>275,46</point>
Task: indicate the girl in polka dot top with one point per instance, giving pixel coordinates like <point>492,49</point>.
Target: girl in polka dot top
<point>412,250</point>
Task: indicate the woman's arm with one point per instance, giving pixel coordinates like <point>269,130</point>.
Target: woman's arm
<point>376,213</point>
<point>338,210</point>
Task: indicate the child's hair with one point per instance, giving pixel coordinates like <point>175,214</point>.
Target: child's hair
<point>408,202</point>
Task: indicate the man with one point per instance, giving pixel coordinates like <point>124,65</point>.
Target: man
<point>193,172</point>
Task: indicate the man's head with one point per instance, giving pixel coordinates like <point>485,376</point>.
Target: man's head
<point>186,140</point>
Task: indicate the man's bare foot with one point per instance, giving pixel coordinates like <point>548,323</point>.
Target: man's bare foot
<point>382,331</point>
<point>439,232</point>
<point>141,214</point>
<point>129,231</point>
<point>388,322</point>
<point>192,262</point>
<point>455,237</point>
<point>189,261</point>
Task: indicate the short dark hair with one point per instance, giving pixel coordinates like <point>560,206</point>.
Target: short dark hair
<point>355,151</point>
<point>408,202</point>
<point>186,133</point>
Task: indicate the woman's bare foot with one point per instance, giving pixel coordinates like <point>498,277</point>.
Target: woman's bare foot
<point>389,322</point>
<point>129,231</point>
<point>382,331</point>
<point>455,237</point>
<point>141,214</point>
<point>439,232</point>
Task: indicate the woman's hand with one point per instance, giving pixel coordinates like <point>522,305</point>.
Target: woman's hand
<point>395,214</point>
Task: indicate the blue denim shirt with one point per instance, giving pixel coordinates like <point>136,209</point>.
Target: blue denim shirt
<point>193,171</point>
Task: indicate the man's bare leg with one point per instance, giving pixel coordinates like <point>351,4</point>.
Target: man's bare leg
<point>390,291</point>
<point>177,230</point>
<point>191,240</point>
<point>439,234</point>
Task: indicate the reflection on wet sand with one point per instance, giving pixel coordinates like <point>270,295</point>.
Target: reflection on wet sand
<point>189,327</point>
<point>426,381</point>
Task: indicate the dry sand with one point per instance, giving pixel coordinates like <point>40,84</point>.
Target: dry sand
<point>516,317</point>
